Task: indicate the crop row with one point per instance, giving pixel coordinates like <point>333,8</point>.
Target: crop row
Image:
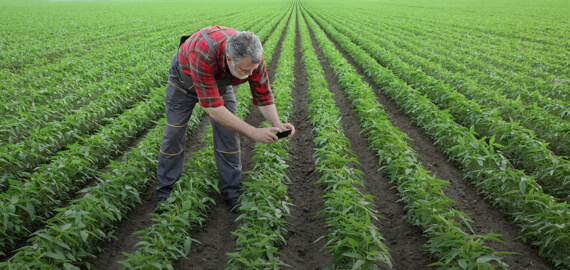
<point>497,68</point>
<point>549,127</point>
<point>43,142</point>
<point>169,237</point>
<point>543,58</point>
<point>185,207</point>
<point>535,60</point>
<point>50,42</point>
<point>541,218</point>
<point>78,228</point>
<point>72,85</point>
<point>34,201</point>
<point>72,72</point>
<point>28,202</point>
<point>73,235</point>
<point>427,206</point>
<point>80,85</point>
<point>28,42</point>
<point>500,55</point>
<point>353,239</point>
<point>264,203</point>
<point>67,72</point>
<point>19,158</point>
<point>452,55</point>
<point>523,149</point>
<point>552,129</point>
<point>85,248</point>
<point>94,102</point>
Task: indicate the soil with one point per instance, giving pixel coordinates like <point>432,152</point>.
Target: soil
<point>486,218</point>
<point>305,226</point>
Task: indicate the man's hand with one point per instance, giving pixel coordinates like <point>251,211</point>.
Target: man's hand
<point>267,135</point>
<point>287,126</point>
<point>270,113</point>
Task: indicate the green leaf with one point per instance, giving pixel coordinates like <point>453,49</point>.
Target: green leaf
<point>187,245</point>
<point>488,258</point>
<point>522,187</point>
<point>66,226</point>
<point>357,265</point>
<point>31,210</point>
<point>84,236</point>
<point>462,263</point>
<point>68,266</point>
<point>353,255</point>
<point>53,256</point>
<point>131,256</point>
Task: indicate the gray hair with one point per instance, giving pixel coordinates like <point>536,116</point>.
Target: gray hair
<point>244,44</point>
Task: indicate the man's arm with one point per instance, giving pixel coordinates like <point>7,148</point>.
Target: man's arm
<point>270,113</point>
<point>226,118</point>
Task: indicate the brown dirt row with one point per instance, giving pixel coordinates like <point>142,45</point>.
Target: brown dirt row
<point>214,236</point>
<point>403,239</point>
<point>139,218</point>
<point>486,218</point>
<point>78,195</point>
<point>304,225</point>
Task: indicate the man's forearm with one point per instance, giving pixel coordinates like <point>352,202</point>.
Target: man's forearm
<point>227,119</point>
<point>265,135</point>
<point>270,113</point>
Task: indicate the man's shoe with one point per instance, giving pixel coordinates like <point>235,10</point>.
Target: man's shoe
<point>234,204</point>
<point>157,208</point>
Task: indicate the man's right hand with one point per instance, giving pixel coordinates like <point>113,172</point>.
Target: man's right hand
<point>265,135</point>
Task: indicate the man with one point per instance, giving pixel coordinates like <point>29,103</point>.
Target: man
<point>204,70</point>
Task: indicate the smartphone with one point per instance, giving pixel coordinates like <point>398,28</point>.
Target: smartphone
<point>284,133</point>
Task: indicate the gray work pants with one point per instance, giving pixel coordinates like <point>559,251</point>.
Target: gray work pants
<point>180,101</point>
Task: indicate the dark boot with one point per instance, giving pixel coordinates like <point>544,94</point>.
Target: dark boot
<point>157,209</point>
<point>234,204</point>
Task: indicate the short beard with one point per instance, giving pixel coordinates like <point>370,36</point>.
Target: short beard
<point>234,73</point>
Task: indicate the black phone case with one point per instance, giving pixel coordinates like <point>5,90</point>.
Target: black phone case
<point>283,134</point>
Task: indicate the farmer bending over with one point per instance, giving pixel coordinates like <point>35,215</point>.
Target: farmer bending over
<point>205,70</point>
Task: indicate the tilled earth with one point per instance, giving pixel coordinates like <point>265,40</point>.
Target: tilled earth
<point>304,225</point>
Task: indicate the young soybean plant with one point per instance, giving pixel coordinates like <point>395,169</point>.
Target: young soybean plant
<point>54,182</point>
<point>491,117</point>
<point>169,237</point>
<point>265,202</point>
<point>426,204</point>
<point>541,219</point>
<point>355,242</point>
<point>73,234</point>
<point>510,77</point>
<point>187,205</point>
<point>521,145</point>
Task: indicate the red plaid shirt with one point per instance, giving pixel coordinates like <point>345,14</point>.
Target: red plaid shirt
<point>195,60</point>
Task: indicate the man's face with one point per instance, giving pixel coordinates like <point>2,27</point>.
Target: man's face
<point>243,69</point>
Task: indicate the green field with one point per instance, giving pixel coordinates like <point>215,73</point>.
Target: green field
<point>430,135</point>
